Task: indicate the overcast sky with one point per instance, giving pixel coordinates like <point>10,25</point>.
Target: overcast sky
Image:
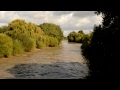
<point>68,20</point>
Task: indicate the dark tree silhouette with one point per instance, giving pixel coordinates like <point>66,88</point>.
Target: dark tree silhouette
<point>104,50</point>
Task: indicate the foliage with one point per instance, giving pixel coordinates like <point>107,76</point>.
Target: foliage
<point>28,43</point>
<point>19,27</point>
<point>27,33</point>
<point>81,32</point>
<point>40,44</point>
<point>17,47</point>
<point>76,36</point>
<point>6,45</point>
<point>3,29</point>
<point>86,41</point>
<point>103,50</point>
<point>52,30</point>
<point>27,36</point>
<point>53,42</point>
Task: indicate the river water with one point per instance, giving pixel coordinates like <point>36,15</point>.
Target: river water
<point>63,62</point>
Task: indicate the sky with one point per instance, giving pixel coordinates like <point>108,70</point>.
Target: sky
<point>68,20</point>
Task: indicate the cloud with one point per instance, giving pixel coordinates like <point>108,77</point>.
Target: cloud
<point>83,14</point>
<point>68,20</point>
<point>59,13</point>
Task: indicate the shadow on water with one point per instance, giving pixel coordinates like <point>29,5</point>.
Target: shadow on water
<point>59,70</point>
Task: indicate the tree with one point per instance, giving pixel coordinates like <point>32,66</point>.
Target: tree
<point>3,29</point>
<point>72,36</point>
<point>103,50</point>
<point>6,45</point>
<point>75,36</point>
<point>52,30</point>
<point>18,27</point>
<point>81,32</point>
<point>21,36</point>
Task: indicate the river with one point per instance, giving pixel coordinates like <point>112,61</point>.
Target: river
<point>63,62</point>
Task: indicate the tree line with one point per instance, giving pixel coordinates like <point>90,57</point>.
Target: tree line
<point>79,37</point>
<point>20,36</point>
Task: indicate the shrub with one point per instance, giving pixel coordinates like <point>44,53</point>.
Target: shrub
<point>52,30</point>
<point>47,40</point>
<point>17,47</point>
<point>28,43</point>
<point>6,45</point>
<point>39,44</point>
<point>53,42</point>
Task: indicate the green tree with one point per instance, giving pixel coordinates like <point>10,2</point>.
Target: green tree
<point>75,36</point>
<point>27,33</point>
<point>81,32</point>
<point>17,47</point>
<point>6,45</point>
<point>3,29</point>
<point>72,36</point>
<point>28,43</point>
<point>27,36</point>
<point>52,30</point>
<point>18,27</point>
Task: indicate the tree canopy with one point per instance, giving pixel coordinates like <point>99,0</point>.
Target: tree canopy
<point>26,36</point>
<point>103,50</point>
<point>52,30</point>
<point>77,36</point>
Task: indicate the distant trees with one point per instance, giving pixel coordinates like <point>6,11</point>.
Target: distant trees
<point>65,38</point>
<point>77,36</point>
<point>3,29</point>
<point>81,32</point>
<point>103,50</point>
<point>72,36</point>
<point>20,36</point>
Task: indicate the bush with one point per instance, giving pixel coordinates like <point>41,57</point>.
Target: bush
<point>3,29</point>
<point>6,45</point>
<point>17,47</point>
<point>39,44</point>
<point>28,43</point>
<point>86,44</point>
<point>53,42</point>
<point>52,30</point>
<point>75,36</point>
<point>47,40</point>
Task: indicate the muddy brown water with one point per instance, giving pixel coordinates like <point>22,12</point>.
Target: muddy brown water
<point>63,62</point>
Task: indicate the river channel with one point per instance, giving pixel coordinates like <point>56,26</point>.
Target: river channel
<point>63,62</point>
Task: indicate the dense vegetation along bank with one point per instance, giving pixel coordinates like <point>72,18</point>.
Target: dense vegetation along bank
<point>79,37</point>
<point>20,36</point>
<point>101,47</point>
<point>103,51</point>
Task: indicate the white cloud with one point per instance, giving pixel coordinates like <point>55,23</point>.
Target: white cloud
<point>68,20</point>
<point>3,24</point>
